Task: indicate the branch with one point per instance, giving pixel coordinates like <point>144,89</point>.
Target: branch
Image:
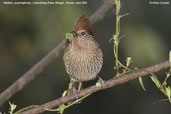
<point>42,64</point>
<point>108,84</point>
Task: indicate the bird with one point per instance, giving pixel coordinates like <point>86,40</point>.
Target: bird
<point>83,57</point>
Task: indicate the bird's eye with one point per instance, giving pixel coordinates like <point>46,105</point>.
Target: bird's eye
<point>83,33</point>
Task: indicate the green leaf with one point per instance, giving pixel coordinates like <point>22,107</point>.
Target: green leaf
<point>156,81</point>
<point>170,57</point>
<point>98,84</point>
<point>162,100</point>
<point>114,37</point>
<point>168,91</point>
<point>12,107</point>
<point>110,40</point>
<point>64,93</point>
<point>128,61</point>
<point>69,36</point>
<point>62,108</point>
<point>141,83</point>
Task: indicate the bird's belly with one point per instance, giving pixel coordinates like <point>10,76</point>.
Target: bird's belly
<point>83,67</point>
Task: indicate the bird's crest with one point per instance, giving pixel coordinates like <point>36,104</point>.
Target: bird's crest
<point>82,23</point>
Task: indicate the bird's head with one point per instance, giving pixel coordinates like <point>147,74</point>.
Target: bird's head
<point>81,34</point>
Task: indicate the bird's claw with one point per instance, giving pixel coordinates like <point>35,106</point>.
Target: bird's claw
<point>100,82</point>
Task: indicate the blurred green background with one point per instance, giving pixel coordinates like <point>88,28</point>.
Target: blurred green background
<point>28,33</point>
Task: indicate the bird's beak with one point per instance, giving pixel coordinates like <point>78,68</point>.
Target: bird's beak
<point>71,35</point>
<point>74,33</point>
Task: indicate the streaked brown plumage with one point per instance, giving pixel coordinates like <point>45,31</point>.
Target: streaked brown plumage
<point>83,57</point>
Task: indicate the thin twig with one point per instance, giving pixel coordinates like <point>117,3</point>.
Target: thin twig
<point>108,84</point>
<point>42,64</point>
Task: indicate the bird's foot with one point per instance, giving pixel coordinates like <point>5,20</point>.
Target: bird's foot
<point>74,92</point>
<point>100,82</point>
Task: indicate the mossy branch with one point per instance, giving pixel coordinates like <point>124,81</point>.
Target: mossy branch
<point>107,84</point>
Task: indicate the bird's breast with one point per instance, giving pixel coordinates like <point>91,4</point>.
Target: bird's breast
<point>83,65</point>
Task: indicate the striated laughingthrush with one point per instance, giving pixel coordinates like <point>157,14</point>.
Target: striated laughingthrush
<point>83,57</point>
